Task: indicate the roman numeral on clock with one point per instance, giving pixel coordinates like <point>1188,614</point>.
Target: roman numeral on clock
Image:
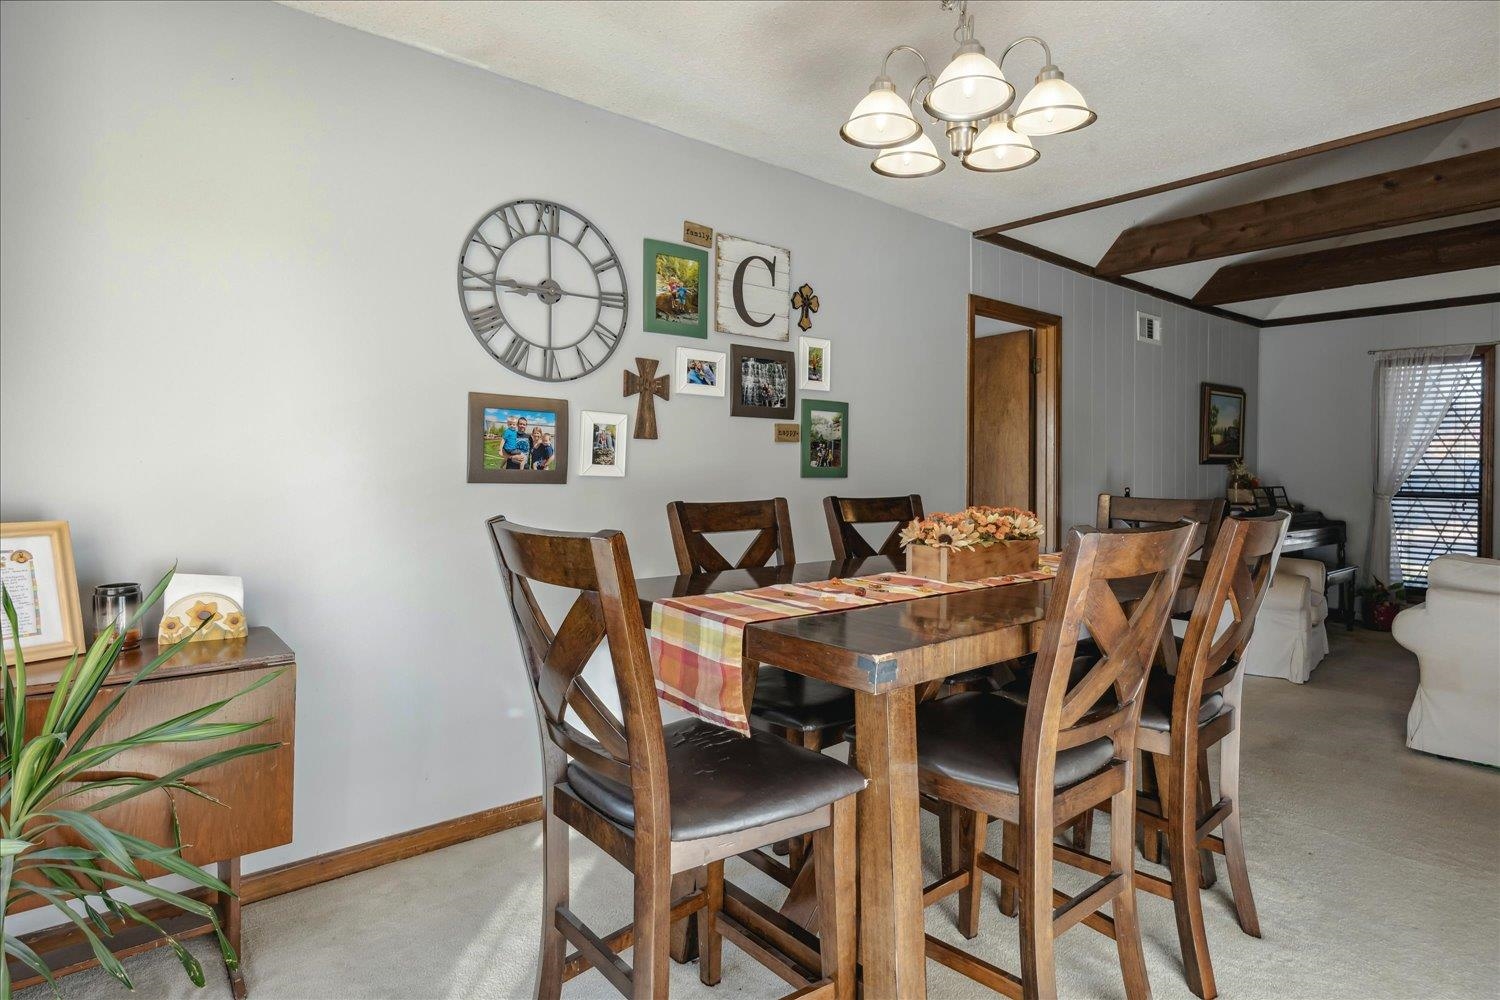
<point>517,353</point>
<point>612,300</point>
<point>487,320</point>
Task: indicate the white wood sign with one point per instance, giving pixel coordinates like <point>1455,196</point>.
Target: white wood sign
<point>753,287</point>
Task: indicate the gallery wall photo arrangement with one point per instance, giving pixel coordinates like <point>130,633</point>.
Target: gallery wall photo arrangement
<point>752,288</point>
<point>698,372</point>
<point>761,382</point>
<point>517,439</point>
<point>814,364</point>
<point>825,439</point>
<point>602,442</point>
<point>1221,425</point>
<point>36,567</point>
<point>675,278</point>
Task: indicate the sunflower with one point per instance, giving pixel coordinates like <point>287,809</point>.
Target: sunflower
<point>204,611</point>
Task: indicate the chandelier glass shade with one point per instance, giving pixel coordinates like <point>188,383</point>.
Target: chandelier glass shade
<point>918,158</point>
<point>971,87</point>
<point>1053,106</point>
<point>999,148</point>
<point>881,119</point>
<point>971,101</point>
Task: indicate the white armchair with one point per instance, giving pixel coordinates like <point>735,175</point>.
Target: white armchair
<point>1456,636</point>
<point>1289,638</point>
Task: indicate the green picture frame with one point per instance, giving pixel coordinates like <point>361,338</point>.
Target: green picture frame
<point>826,454</point>
<point>672,301</point>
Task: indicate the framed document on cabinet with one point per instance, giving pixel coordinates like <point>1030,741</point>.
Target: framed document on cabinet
<point>36,568</point>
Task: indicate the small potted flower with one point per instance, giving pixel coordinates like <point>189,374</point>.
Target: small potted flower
<point>1241,483</point>
<point>973,544</point>
<point>1380,604</point>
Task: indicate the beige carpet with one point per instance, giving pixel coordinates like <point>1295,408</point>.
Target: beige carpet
<point>1376,871</point>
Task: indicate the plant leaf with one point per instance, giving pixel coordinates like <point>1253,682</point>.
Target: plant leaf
<point>9,847</point>
<point>202,763</point>
<point>20,949</point>
<point>101,836</point>
<point>190,965</point>
<point>103,955</point>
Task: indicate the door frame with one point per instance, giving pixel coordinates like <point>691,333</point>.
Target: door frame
<point>1046,409</point>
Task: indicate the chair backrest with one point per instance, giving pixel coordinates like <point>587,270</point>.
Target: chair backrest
<point>1146,564</point>
<point>846,512</point>
<point>1142,512</point>
<point>606,609</point>
<point>1237,575</point>
<point>690,522</point>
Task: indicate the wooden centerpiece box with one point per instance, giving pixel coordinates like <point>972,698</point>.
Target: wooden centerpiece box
<point>977,563</point>
<point>255,791</point>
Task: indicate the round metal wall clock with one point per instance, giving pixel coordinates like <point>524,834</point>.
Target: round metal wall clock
<point>543,290</point>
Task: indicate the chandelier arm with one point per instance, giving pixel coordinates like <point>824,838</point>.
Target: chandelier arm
<point>911,99</point>
<point>885,66</point>
<point>1046,49</point>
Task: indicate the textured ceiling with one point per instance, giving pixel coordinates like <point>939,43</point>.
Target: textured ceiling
<point>1181,87</point>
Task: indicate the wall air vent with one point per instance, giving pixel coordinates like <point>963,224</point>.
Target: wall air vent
<point>1148,329</point>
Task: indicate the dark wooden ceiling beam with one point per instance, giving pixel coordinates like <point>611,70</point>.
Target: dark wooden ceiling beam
<point>1438,252</point>
<point>1400,307</point>
<point>1461,184</point>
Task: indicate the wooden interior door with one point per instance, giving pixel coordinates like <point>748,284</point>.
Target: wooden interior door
<point>1000,445</point>
<point>1015,406</point>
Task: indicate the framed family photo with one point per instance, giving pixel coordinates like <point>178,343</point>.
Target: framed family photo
<point>814,364</point>
<point>698,372</point>
<point>825,439</point>
<point>676,274</point>
<point>602,440</point>
<point>517,439</point>
<point>1221,425</point>
<point>36,567</point>
<point>761,383</point>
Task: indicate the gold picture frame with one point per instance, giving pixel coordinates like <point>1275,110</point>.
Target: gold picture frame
<point>36,566</point>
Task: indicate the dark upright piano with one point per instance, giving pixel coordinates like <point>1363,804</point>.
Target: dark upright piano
<point>1311,530</point>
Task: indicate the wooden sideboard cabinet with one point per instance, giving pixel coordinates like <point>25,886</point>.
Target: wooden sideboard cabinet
<point>256,791</point>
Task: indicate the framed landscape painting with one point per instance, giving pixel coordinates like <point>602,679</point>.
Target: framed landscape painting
<point>675,274</point>
<point>1221,425</point>
<point>517,439</point>
<point>761,383</point>
<point>825,439</point>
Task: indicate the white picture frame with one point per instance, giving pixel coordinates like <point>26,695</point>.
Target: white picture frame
<point>690,383</point>
<point>805,379</point>
<point>591,423</point>
<point>752,289</point>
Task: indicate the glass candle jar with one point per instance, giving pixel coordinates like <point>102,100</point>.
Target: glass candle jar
<point>115,604</point>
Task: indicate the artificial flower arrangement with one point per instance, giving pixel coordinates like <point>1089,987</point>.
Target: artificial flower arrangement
<point>973,544</point>
<point>1241,483</point>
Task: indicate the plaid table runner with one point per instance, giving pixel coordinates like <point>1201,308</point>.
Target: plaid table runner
<point>697,643</point>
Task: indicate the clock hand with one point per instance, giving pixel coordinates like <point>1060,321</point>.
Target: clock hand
<point>517,286</point>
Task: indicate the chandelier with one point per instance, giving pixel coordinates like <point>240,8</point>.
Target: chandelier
<point>971,99</point>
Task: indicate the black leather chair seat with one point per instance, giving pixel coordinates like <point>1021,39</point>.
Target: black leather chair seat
<point>1156,709</point>
<point>786,698</point>
<point>1018,689</point>
<point>722,783</point>
<point>975,738</point>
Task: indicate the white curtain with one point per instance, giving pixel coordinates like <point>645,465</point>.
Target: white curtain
<point>1410,403</point>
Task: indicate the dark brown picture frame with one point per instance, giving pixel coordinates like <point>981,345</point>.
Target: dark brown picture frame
<point>481,401</point>
<point>1206,453</point>
<point>737,407</point>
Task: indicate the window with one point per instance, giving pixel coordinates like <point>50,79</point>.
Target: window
<point>1444,506</point>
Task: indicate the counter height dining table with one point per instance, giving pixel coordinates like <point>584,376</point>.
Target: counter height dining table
<point>883,653</point>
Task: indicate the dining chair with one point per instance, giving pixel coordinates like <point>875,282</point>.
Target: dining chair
<point>1137,512</point>
<point>661,800</point>
<point>1062,754</point>
<point>809,713</point>
<point>1183,716</point>
<point>846,513</point>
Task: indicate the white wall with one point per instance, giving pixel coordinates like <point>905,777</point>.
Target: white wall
<point>229,336</point>
<point>1129,410</point>
<point>1317,429</point>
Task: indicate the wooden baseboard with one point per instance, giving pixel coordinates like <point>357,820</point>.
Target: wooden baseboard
<point>372,854</point>
<point>335,864</point>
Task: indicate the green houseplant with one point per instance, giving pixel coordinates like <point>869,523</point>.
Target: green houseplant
<point>67,856</point>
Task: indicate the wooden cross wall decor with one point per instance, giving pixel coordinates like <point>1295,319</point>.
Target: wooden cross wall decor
<point>646,385</point>
<point>806,300</point>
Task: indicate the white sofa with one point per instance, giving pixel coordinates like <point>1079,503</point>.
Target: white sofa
<point>1456,636</point>
<point>1289,638</point>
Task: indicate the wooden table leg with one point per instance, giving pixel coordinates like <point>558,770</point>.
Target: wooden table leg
<point>892,947</point>
<point>684,946</point>
<point>229,922</point>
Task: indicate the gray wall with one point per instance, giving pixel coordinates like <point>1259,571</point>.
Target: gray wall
<point>229,336</point>
<point>1129,410</point>
<point>1317,429</point>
